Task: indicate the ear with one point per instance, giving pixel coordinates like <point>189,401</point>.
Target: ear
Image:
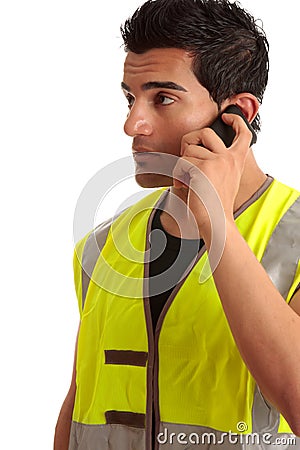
<point>247,102</point>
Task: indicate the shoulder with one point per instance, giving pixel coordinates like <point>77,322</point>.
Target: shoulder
<point>284,189</point>
<point>88,249</point>
<point>283,250</point>
<point>282,203</point>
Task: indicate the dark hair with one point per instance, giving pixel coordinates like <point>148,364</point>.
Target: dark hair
<point>230,50</point>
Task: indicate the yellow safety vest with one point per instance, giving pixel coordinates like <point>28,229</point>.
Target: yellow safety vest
<point>191,370</point>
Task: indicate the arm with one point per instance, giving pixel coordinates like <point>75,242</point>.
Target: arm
<point>63,426</point>
<point>265,328</point>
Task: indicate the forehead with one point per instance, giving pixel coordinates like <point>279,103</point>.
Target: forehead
<point>159,64</point>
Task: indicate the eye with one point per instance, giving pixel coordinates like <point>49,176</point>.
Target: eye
<point>164,100</point>
<point>130,100</point>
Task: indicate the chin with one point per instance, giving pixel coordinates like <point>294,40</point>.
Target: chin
<point>150,180</point>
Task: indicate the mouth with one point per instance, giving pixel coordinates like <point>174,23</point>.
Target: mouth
<point>154,163</point>
<point>143,156</point>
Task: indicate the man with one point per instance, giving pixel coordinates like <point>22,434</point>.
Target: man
<point>167,357</point>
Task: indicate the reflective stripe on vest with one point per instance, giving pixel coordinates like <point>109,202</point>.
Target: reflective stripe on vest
<point>175,437</point>
<point>126,429</point>
<point>281,264</point>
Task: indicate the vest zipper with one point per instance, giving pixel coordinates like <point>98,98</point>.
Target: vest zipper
<point>150,375</point>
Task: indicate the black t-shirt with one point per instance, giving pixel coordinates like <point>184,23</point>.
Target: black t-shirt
<point>169,259</point>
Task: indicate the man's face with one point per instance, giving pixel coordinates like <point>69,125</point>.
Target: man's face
<point>166,101</point>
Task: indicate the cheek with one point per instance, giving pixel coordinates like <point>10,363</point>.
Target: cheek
<point>179,130</point>
<point>174,132</point>
<point>198,120</point>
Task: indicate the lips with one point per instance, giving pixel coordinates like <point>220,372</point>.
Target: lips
<point>147,162</point>
<point>144,157</point>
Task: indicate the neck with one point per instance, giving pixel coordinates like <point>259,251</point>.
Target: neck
<point>252,179</point>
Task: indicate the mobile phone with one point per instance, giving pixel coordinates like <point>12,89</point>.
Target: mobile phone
<point>226,132</point>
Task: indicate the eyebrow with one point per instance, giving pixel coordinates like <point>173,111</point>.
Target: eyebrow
<point>157,85</point>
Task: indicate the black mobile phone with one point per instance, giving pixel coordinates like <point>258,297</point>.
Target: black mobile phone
<point>225,132</point>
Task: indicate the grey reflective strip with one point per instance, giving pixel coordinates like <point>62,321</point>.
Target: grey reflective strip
<point>174,437</point>
<point>265,418</point>
<point>265,422</point>
<point>91,252</point>
<point>106,437</point>
<point>281,256</point>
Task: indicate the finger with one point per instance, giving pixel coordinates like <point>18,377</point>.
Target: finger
<point>197,151</point>
<point>243,135</point>
<point>205,137</point>
<point>184,170</point>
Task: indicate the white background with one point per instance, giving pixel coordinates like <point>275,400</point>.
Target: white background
<point>62,114</point>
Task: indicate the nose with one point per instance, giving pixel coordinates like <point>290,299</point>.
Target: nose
<point>138,122</point>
